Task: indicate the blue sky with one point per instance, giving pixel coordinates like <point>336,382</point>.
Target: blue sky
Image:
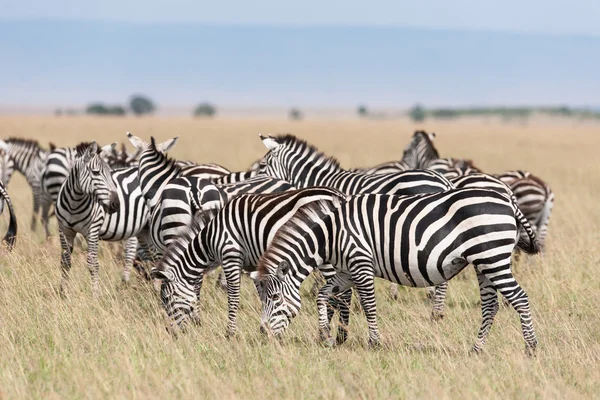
<point>305,54</point>
<point>541,16</point>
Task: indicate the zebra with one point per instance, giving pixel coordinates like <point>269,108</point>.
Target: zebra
<point>417,241</point>
<point>11,234</point>
<point>302,165</point>
<point>27,157</point>
<point>235,238</point>
<point>534,196</point>
<point>100,204</point>
<point>54,173</point>
<point>422,154</point>
<point>174,194</point>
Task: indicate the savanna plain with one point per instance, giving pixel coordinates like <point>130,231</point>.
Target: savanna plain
<point>117,346</point>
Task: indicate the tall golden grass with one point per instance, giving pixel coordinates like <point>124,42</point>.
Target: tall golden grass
<point>117,346</point>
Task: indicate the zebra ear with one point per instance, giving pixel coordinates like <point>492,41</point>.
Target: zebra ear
<point>3,145</point>
<point>136,141</point>
<point>108,149</point>
<point>167,275</point>
<point>432,135</point>
<point>269,142</point>
<point>282,269</point>
<point>165,146</point>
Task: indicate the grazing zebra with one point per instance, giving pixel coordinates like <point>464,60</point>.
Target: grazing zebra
<point>100,204</point>
<point>302,165</point>
<point>11,234</point>
<point>417,241</point>
<point>235,238</point>
<point>54,173</point>
<point>27,157</point>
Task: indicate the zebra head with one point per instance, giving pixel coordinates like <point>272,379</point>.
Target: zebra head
<point>95,179</point>
<point>147,151</point>
<point>280,299</point>
<point>420,152</point>
<point>177,293</point>
<point>272,164</point>
<point>181,270</point>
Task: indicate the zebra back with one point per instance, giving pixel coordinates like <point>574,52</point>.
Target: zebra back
<point>304,166</point>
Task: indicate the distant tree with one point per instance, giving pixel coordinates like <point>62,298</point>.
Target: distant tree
<point>116,110</point>
<point>362,110</point>
<point>205,110</point>
<point>96,109</point>
<point>141,105</point>
<point>417,113</point>
<point>295,114</point>
<point>58,112</point>
<point>102,109</point>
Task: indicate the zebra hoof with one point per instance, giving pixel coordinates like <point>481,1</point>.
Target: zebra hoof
<point>437,316</point>
<point>374,344</point>
<point>475,350</point>
<point>328,342</point>
<point>530,350</point>
<point>229,334</point>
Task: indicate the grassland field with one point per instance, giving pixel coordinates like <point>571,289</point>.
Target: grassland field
<point>117,346</point>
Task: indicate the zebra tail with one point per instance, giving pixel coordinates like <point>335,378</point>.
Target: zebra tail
<point>530,244</point>
<point>11,233</point>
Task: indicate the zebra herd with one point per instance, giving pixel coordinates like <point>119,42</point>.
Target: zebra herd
<point>416,222</point>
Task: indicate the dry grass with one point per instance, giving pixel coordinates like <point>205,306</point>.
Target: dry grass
<point>117,346</point>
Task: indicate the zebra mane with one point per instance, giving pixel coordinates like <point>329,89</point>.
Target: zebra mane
<point>307,215</point>
<point>24,142</point>
<point>186,235</point>
<point>82,147</point>
<point>302,145</point>
<point>464,164</point>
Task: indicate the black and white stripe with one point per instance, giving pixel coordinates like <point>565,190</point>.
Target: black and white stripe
<point>55,171</point>
<point>534,196</point>
<point>235,238</point>
<point>11,234</point>
<point>416,241</point>
<point>99,204</point>
<point>26,157</point>
<point>304,166</point>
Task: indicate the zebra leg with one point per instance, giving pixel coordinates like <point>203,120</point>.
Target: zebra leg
<point>232,269</point>
<point>489,308</point>
<point>318,282</point>
<point>36,207</point>
<point>439,297</point>
<point>394,291</point>
<point>46,204</point>
<point>365,286</point>
<point>66,244</point>
<point>195,314</point>
<point>505,283</point>
<point>92,259</point>
<point>517,254</point>
<point>221,280</point>
<point>130,253</point>
<point>431,293</point>
<point>344,300</point>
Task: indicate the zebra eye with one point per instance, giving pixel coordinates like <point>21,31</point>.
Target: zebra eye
<point>276,297</point>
